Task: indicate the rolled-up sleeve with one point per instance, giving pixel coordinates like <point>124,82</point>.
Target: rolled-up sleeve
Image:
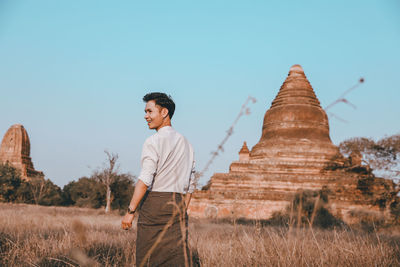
<point>148,163</point>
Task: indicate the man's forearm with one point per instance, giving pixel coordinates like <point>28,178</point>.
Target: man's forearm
<point>140,191</point>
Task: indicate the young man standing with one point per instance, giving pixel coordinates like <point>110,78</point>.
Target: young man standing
<point>163,190</point>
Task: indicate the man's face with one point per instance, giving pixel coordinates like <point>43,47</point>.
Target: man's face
<point>154,115</point>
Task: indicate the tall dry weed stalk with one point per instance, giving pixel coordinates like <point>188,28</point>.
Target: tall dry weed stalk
<point>244,110</point>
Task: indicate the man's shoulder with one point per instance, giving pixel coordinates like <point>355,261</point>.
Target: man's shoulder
<point>179,135</point>
<point>154,138</point>
<point>151,139</point>
<point>184,139</point>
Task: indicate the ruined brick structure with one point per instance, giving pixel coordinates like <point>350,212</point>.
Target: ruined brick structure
<point>294,152</point>
<point>15,149</point>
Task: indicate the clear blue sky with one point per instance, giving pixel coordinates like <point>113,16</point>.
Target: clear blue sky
<point>74,72</point>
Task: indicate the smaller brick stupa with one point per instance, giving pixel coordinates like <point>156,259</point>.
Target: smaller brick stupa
<point>15,149</point>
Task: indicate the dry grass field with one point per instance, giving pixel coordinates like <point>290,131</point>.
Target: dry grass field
<point>58,236</point>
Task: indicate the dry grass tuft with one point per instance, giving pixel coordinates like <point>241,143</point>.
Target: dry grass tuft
<point>244,245</point>
<point>57,236</point>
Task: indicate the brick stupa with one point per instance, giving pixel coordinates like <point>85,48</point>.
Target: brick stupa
<point>293,153</point>
<point>15,149</point>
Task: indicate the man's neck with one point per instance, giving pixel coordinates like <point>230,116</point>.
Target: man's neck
<point>168,123</point>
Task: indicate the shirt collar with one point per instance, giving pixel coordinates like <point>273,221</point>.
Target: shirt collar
<point>165,128</point>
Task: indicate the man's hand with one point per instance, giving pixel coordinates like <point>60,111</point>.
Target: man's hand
<point>140,191</point>
<point>127,221</point>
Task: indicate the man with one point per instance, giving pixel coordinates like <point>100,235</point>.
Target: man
<point>163,190</point>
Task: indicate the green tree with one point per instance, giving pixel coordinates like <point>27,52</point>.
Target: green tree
<point>86,192</point>
<point>383,156</point>
<point>89,192</point>
<point>10,181</point>
<point>36,190</point>
<point>51,195</point>
<point>122,190</point>
<point>24,193</point>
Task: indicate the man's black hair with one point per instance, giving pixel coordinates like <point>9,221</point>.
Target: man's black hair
<point>162,100</point>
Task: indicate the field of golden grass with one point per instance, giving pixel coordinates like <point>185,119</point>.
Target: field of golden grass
<point>58,236</point>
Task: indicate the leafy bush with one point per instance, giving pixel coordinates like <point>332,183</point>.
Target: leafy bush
<point>383,155</point>
<point>10,181</point>
<point>86,192</point>
<point>90,193</point>
<point>307,208</point>
<point>369,221</point>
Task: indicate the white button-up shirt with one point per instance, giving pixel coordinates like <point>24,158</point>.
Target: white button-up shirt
<point>168,162</point>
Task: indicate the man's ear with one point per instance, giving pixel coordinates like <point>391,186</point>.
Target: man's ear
<point>164,112</point>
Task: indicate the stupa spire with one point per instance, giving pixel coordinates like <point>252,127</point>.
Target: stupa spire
<point>295,122</point>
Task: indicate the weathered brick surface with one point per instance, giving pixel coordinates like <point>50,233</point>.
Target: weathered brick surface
<point>15,149</point>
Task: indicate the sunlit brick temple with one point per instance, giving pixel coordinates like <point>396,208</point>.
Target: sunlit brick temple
<point>293,153</point>
<point>15,149</point>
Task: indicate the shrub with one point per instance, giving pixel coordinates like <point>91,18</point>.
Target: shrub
<point>368,221</point>
<point>10,180</point>
<point>307,208</point>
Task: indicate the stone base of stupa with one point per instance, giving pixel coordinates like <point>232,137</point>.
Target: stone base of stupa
<point>238,196</point>
<point>258,196</point>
